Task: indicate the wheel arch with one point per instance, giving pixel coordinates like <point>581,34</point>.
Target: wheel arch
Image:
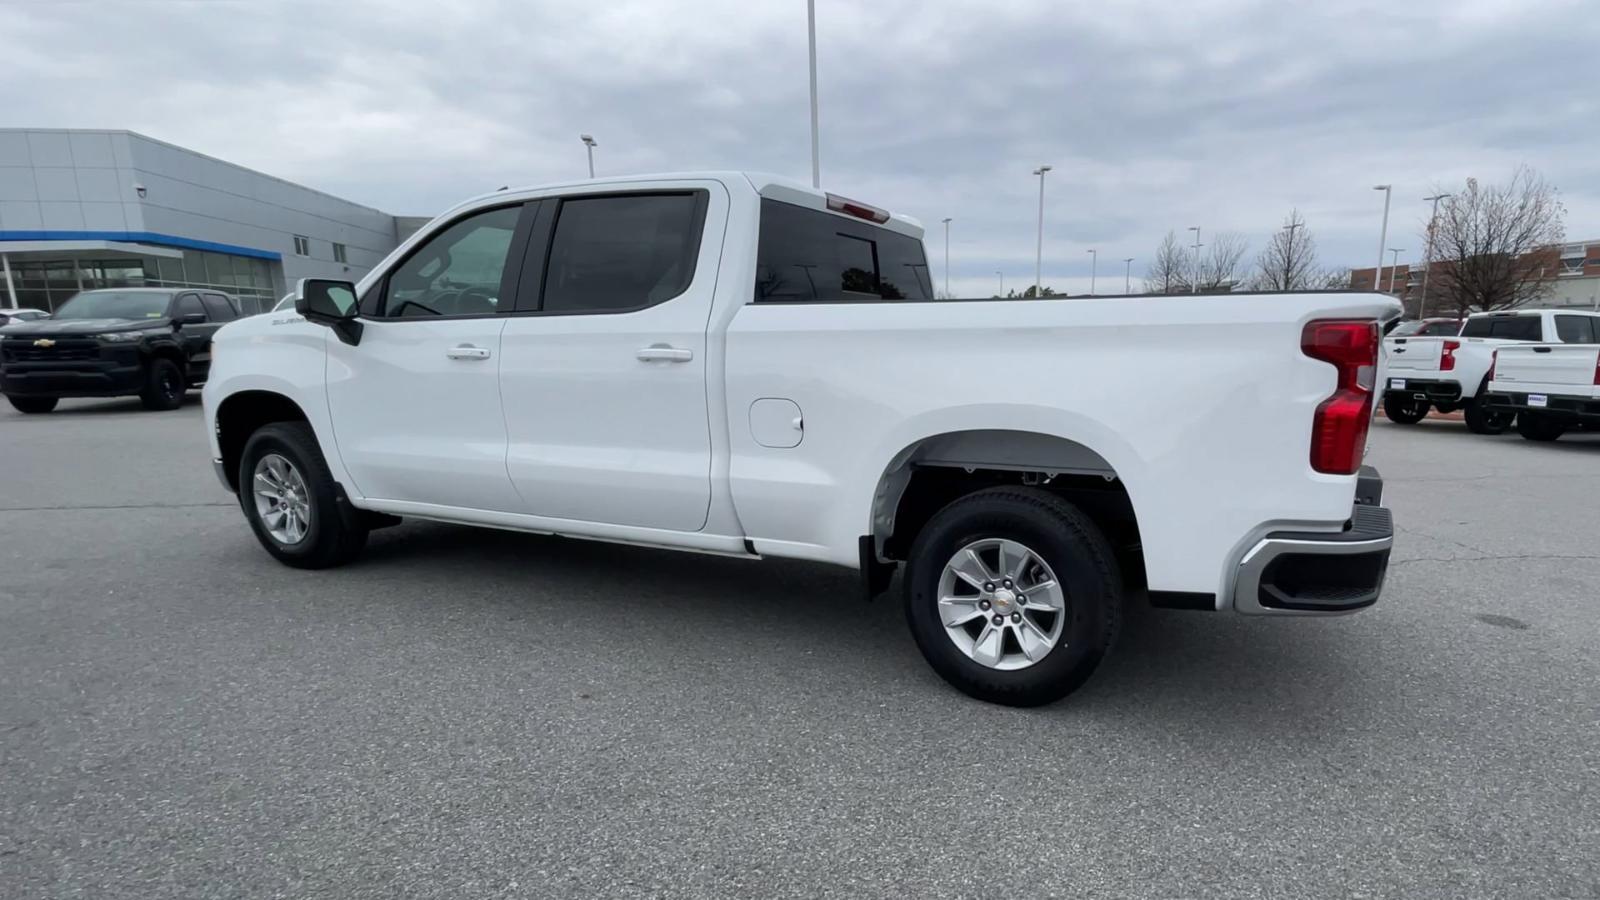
<point>240,414</point>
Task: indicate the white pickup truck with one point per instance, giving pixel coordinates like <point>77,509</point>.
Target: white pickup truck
<point>1449,373</point>
<point>1551,388</point>
<point>737,364</point>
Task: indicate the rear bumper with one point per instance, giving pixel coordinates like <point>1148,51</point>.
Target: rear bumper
<point>1312,573</point>
<point>1433,390</point>
<point>1571,409</point>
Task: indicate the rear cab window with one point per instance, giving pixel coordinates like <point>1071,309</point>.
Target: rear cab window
<point>1509,328</point>
<point>1576,329</point>
<point>806,255</point>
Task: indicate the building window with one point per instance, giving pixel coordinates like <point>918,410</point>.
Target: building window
<point>302,245</point>
<point>338,253</point>
<point>1572,260</point>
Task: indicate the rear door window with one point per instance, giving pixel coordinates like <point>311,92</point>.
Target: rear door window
<point>188,304</point>
<point>1575,329</point>
<point>621,253</point>
<point>810,255</point>
<point>218,307</point>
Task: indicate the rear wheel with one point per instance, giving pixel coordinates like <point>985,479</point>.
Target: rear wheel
<point>163,385</point>
<point>1013,596</point>
<point>1482,420</point>
<point>33,404</point>
<point>1403,410</point>
<point>1536,427</point>
<point>292,501</point>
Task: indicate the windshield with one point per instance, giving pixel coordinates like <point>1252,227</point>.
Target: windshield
<point>1434,329</point>
<point>1405,328</point>
<point>115,305</point>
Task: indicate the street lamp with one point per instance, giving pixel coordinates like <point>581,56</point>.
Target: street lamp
<point>1038,253</point>
<point>1197,267</point>
<point>1094,263</point>
<point>946,221</point>
<point>1394,266</point>
<point>811,36</point>
<point>1127,275</point>
<point>1427,263</point>
<point>589,144</point>
<point>1383,235</point>
<point>1002,276</point>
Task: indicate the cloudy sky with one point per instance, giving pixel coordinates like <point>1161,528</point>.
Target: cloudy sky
<point>1155,115</point>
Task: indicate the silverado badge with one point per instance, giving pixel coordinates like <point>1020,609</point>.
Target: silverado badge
<point>44,342</point>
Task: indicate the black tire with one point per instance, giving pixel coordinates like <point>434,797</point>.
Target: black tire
<point>163,385</point>
<point>335,533</point>
<point>1074,549</point>
<point>1486,421</point>
<point>33,404</point>
<point>1403,410</point>
<point>1535,427</point>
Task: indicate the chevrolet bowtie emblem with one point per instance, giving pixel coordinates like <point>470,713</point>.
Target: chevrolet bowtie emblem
<point>44,342</point>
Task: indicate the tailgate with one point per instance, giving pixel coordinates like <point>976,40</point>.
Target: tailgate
<point>1547,364</point>
<point>1420,353</point>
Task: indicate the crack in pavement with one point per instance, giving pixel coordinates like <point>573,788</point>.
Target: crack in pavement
<point>1417,559</point>
<point>115,506</point>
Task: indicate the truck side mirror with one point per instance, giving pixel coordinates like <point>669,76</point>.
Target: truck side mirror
<point>331,303</point>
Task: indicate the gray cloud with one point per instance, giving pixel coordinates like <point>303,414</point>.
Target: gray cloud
<point>1155,115</point>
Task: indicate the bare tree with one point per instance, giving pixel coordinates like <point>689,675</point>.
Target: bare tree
<point>1492,243</point>
<point>1289,261</point>
<point>1220,267</point>
<point>1170,269</point>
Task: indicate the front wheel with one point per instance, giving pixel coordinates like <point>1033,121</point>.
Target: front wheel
<point>1013,596</point>
<point>163,385</point>
<point>292,501</point>
<point>1535,427</point>
<point>1481,420</point>
<point>33,404</point>
<point>1403,410</point>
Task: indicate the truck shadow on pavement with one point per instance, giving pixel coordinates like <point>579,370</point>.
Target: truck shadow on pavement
<point>1203,670</point>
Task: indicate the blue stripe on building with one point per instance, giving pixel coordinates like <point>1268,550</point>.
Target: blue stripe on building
<point>140,237</point>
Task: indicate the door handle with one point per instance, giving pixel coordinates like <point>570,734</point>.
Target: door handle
<point>664,353</point>
<point>467,351</point>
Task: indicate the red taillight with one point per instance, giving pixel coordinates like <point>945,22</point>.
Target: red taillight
<point>859,210</point>
<point>1494,360</point>
<point>1339,429</point>
<point>1447,356</point>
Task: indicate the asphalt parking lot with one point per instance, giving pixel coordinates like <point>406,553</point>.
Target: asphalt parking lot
<point>468,713</point>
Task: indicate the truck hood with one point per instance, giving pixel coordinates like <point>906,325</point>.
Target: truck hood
<point>58,327</point>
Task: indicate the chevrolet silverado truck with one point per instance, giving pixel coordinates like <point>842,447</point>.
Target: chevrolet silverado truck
<point>1551,388</point>
<point>151,342</point>
<point>1450,373</point>
<point>741,365</point>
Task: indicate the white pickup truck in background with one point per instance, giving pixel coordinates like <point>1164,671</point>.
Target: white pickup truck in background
<point>1551,388</point>
<point>741,365</point>
<point>1449,373</point>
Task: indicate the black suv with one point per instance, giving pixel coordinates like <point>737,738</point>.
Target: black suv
<point>153,342</point>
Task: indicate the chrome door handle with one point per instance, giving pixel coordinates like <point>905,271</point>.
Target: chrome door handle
<point>467,351</point>
<point>664,353</point>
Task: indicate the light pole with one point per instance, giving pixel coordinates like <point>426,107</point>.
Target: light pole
<point>1197,267</point>
<point>1002,276</point>
<point>1427,263</point>
<point>811,35</point>
<point>1383,235</point>
<point>1038,253</point>
<point>1094,264</point>
<point>946,221</point>
<point>589,144</point>
<point>1394,265</point>
<point>1127,275</point>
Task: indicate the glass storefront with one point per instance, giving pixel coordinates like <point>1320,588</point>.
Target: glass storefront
<point>48,283</point>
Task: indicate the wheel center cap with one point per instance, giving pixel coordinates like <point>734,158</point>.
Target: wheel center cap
<point>1004,600</point>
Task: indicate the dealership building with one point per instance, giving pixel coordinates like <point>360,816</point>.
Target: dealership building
<point>84,209</point>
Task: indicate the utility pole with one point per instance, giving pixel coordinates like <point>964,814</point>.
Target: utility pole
<point>1002,276</point>
<point>1394,266</point>
<point>947,293</point>
<point>589,144</point>
<point>1427,263</point>
<point>1383,235</point>
<point>811,35</point>
<point>1038,253</point>
<point>1127,275</point>
<point>1094,264</point>
<point>1195,288</point>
